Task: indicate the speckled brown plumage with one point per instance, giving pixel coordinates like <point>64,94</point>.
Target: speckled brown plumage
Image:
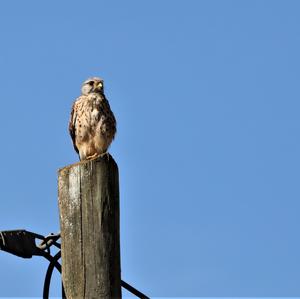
<point>92,124</point>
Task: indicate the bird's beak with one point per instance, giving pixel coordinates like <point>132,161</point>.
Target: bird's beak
<point>99,86</point>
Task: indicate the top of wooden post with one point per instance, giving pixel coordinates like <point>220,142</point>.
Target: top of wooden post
<point>107,157</point>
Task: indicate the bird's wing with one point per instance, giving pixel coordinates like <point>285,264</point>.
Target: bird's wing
<point>110,121</point>
<point>72,127</point>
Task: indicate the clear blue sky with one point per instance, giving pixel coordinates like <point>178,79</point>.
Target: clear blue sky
<point>206,94</point>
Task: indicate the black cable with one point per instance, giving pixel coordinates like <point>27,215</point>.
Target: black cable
<point>50,258</point>
<point>132,290</point>
<point>53,264</point>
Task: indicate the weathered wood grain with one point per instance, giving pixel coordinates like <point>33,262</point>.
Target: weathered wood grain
<point>89,220</point>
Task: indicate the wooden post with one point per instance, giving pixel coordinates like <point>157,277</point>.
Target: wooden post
<point>89,220</point>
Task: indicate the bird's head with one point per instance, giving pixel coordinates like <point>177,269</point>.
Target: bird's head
<point>93,84</point>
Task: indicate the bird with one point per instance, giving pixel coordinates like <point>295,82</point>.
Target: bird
<point>92,124</point>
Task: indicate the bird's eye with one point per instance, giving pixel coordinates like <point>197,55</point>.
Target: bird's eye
<point>91,83</point>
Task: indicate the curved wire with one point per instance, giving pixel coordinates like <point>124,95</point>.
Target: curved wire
<point>53,264</point>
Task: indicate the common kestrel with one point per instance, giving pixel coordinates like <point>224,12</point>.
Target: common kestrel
<point>92,124</point>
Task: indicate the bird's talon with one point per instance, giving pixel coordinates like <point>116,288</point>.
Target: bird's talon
<point>105,154</point>
<point>92,157</point>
